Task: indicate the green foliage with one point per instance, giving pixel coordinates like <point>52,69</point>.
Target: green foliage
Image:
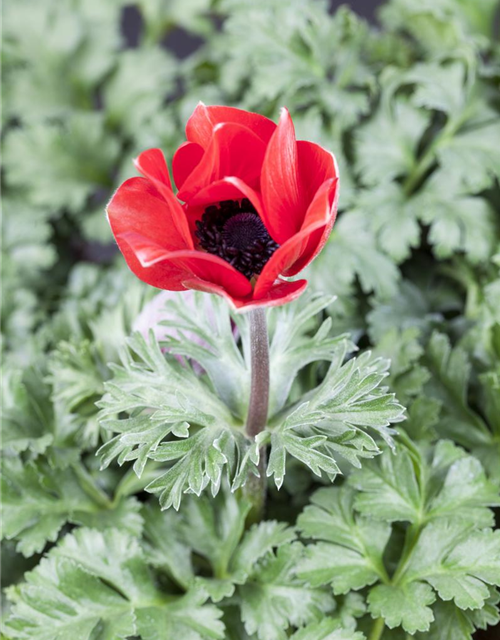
<point>162,397</point>
<point>448,553</point>
<point>404,543</point>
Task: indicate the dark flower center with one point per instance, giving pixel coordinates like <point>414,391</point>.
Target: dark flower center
<point>234,232</point>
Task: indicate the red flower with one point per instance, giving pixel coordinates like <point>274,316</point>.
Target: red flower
<point>258,205</point>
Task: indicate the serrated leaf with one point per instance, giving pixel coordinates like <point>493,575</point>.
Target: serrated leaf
<point>27,413</point>
<point>412,488</point>
<point>138,86</point>
<point>349,552</point>
<point>274,598</point>
<point>99,585</point>
<point>77,156</point>
<point>353,250</point>
<point>386,147</point>
<point>201,327</point>
<point>463,224</point>
<point>459,564</point>
<point>389,488</point>
<point>39,500</point>
<point>296,340</point>
<point>163,397</point>
<point>327,629</point>
<point>403,606</point>
<point>335,419</point>
<point>471,157</point>
<point>450,370</point>
<point>395,225</point>
<point>165,546</point>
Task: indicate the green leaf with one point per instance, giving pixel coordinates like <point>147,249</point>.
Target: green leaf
<point>452,623</point>
<point>26,249</point>
<point>297,339</point>
<point>60,598</point>
<point>99,585</point>
<point>458,563</point>
<point>389,488</point>
<point>257,543</point>
<point>200,327</point>
<point>274,598</point>
<point>386,147</point>
<point>420,488</point>
<point>327,629</point>
<point>450,370</point>
<point>410,308</point>
<point>471,157</point>
<point>77,156</point>
<point>402,347</point>
<point>403,606</point>
<point>27,413</point>
<point>354,252</point>
<point>458,225</point>
<point>137,88</point>
<point>186,617</point>
<point>161,397</point>
<point>213,528</point>
<point>395,226</point>
<point>82,49</point>
<point>39,500</point>
<point>335,418</point>
<point>439,87</point>
<point>200,461</point>
<point>441,27</point>
<point>349,552</point>
<point>165,546</point>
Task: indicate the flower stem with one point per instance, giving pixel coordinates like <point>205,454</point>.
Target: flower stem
<point>377,629</point>
<point>255,488</point>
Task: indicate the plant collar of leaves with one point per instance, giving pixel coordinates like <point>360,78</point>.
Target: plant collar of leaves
<point>258,206</point>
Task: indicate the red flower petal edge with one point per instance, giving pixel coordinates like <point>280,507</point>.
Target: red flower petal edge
<point>254,206</point>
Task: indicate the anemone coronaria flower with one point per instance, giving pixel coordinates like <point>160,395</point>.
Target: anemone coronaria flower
<point>253,207</point>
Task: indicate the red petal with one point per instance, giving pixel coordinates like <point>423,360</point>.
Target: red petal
<point>152,165</point>
<point>316,165</point>
<point>301,248</point>
<point>227,189</point>
<point>191,264</point>
<point>233,151</point>
<point>204,119</point>
<point>323,207</point>
<point>282,194</point>
<point>137,207</point>
<point>185,159</point>
<point>281,293</point>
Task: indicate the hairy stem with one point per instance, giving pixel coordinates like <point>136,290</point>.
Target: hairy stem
<point>255,488</point>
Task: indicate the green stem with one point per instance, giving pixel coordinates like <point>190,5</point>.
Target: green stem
<point>426,161</point>
<point>411,539</point>
<point>255,488</point>
<point>377,629</point>
<point>88,484</point>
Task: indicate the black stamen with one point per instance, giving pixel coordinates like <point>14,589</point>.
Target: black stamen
<point>234,232</point>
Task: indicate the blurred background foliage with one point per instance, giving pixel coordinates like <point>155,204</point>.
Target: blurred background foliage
<point>409,105</point>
